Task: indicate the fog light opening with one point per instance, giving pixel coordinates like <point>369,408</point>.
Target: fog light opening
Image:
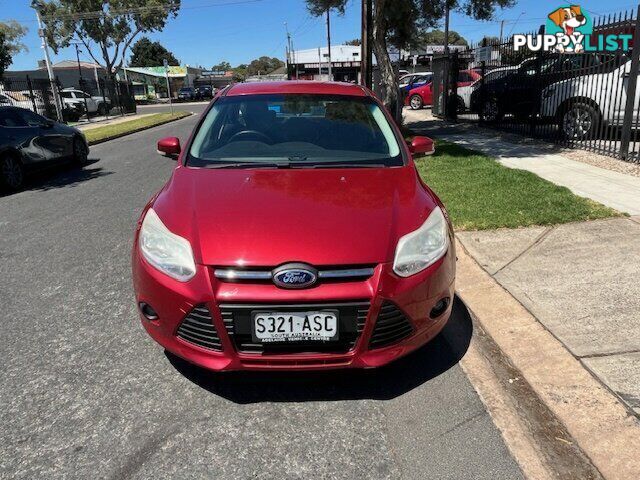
<point>439,308</point>
<point>148,312</point>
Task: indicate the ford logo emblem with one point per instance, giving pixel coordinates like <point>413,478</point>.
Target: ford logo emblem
<point>295,275</point>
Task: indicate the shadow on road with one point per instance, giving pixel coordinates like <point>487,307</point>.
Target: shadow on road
<point>60,176</point>
<point>384,383</point>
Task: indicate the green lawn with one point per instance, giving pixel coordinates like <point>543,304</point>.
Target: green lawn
<point>98,134</point>
<point>479,193</point>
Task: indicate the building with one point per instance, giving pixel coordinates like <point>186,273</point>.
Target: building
<point>151,82</point>
<point>278,75</point>
<point>313,63</point>
<point>67,72</point>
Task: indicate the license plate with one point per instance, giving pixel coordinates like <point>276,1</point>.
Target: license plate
<point>268,327</point>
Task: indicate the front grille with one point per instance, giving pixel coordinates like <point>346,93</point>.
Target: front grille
<point>391,326</point>
<point>351,320</point>
<point>197,328</point>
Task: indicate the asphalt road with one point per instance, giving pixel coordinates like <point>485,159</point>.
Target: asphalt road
<point>86,394</point>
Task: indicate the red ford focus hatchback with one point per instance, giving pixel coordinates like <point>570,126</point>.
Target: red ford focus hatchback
<point>294,233</point>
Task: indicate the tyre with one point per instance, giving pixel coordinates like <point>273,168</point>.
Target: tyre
<point>460,105</point>
<point>11,173</point>
<point>80,152</point>
<point>579,121</point>
<point>490,111</point>
<point>102,109</point>
<point>415,102</point>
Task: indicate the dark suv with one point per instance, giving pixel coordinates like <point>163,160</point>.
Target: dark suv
<point>518,92</point>
<point>187,93</point>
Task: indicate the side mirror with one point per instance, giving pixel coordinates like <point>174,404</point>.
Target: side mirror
<point>169,147</point>
<point>421,146</point>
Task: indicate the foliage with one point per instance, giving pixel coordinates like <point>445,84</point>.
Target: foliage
<point>223,66</point>
<point>146,53</point>
<point>320,7</point>
<point>264,65</point>
<point>356,42</point>
<point>108,26</point>
<point>436,37</point>
<point>5,54</point>
<point>13,33</point>
<point>489,41</point>
<point>510,198</point>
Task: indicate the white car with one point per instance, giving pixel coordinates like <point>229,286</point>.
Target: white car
<point>464,93</point>
<point>581,104</point>
<point>24,99</point>
<point>95,105</point>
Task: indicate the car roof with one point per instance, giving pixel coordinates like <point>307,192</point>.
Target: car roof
<point>297,86</point>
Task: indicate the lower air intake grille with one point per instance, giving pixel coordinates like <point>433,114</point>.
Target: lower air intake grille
<point>197,328</point>
<point>351,317</point>
<point>391,326</point>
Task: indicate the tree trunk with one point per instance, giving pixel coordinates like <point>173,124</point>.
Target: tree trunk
<point>387,74</point>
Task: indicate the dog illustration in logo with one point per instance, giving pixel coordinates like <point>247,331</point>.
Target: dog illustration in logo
<point>568,19</point>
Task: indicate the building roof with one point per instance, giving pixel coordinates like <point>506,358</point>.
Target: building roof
<point>300,87</point>
<point>73,64</point>
<point>339,54</point>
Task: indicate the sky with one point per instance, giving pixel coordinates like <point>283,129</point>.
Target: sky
<point>207,32</point>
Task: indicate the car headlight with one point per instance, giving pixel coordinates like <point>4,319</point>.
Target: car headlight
<point>166,251</point>
<point>422,247</point>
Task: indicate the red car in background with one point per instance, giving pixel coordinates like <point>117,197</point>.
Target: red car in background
<point>294,233</point>
<point>423,95</point>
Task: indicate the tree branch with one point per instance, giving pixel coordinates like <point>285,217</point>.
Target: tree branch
<point>126,45</point>
<point>86,45</point>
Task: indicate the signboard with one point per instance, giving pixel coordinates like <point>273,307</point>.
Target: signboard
<point>483,54</point>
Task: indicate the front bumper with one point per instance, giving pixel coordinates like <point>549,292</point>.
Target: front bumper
<point>415,297</point>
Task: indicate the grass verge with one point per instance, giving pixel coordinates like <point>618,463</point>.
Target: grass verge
<point>479,193</point>
<point>109,132</point>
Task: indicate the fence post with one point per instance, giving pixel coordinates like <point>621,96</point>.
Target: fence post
<point>632,81</point>
<point>33,98</point>
<point>533,117</point>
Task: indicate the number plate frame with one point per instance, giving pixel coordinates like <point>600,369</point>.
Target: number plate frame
<point>286,340</point>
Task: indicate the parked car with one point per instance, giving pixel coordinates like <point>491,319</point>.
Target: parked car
<point>294,233</point>
<point>29,141</point>
<point>518,92</point>
<point>204,92</point>
<point>415,80</point>
<point>94,105</point>
<point>464,93</point>
<point>581,104</point>
<point>187,93</point>
<point>423,96</point>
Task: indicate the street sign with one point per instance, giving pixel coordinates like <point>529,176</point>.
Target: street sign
<point>483,54</point>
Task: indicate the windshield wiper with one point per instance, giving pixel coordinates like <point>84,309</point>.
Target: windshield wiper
<point>247,165</point>
<point>336,165</point>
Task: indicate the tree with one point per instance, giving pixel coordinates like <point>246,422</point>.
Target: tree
<point>399,23</point>
<point>108,27</point>
<point>490,40</point>
<point>146,53</point>
<point>264,65</point>
<point>5,53</point>
<point>355,42</point>
<point>223,66</point>
<point>13,33</point>
<point>436,37</point>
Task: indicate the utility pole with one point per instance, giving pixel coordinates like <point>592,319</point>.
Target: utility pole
<point>166,74</point>
<point>47,61</point>
<point>446,27</point>
<point>501,29</point>
<point>81,81</point>
<point>329,41</point>
<point>289,49</point>
<point>366,50</point>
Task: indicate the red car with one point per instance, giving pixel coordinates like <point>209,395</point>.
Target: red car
<point>294,233</point>
<point>423,95</point>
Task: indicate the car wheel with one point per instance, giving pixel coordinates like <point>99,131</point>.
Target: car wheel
<point>579,121</point>
<point>461,106</point>
<point>415,102</point>
<point>11,172</point>
<point>102,110</point>
<point>80,152</point>
<point>491,111</point>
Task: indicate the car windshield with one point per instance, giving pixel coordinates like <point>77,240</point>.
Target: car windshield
<point>295,131</point>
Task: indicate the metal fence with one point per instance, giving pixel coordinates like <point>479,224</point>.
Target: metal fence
<point>587,99</point>
<point>88,100</point>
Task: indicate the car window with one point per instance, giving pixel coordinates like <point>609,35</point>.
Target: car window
<point>9,117</point>
<point>66,95</point>
<point>304,129</point>
<point>32,119</point>
<point>422,79</point>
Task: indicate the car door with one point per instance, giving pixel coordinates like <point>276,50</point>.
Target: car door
<point>16,133</point>
<point>54,141</point>
<point>92,105</point>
